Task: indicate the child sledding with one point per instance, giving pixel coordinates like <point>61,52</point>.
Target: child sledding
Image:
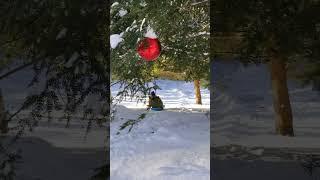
<point>155,103</point>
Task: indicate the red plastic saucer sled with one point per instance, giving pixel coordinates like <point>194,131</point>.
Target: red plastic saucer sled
<point>149,49</point>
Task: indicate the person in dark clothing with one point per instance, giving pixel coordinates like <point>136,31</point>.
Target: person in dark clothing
<point>154,101</point>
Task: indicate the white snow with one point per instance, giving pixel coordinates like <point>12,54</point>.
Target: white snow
<point>143,4</point>
<point>243,110</point>
<point>134,22</point>
<point>73,137</point>
<point>203,32</point>
<point>199,34</point>
<point>142,23</point>
<point>115,39</point>
<point>174,94</point>
<point>115,4</point>
<point>62,33</point>
<point>171,144</point>
<point>196,3</point>
<point>122,12</point>
<point>150,33</point>
<point>51,147</point>
<point>257,152</point>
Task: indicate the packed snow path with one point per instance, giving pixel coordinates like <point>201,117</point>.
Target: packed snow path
<point>171,144</point>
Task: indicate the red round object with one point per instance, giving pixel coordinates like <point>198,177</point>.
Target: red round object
<point>149,49</point>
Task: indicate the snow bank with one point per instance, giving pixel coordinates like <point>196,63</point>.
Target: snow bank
<point>170,144</point>
<point>164,145</point>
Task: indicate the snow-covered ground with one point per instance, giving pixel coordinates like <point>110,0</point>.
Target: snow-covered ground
<point>168,145</point>
<point>243,142</point>
<point>243,110</point>
<point>52,151</point>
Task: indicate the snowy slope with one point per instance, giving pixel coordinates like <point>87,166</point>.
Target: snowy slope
<point>244,115</point>
<point>172,144</point>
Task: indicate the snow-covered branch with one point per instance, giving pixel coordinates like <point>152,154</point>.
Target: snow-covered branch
<point>196,3</point>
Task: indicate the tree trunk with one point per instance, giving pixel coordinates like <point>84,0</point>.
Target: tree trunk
<point>197,91</point>
<point>3,116</point>
<point>281,101</point>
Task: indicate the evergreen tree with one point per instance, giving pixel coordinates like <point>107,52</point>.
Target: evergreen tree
<point>182,28</point>
<point>308,73</point>
<point>275,32</point>
<point>66,44</point>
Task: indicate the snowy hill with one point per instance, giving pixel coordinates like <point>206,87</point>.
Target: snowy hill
<point>172,144</point>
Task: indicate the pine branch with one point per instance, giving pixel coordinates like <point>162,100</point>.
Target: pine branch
<point>16,70</point>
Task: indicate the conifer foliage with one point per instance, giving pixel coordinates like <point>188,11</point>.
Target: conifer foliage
<point>274,32</point>
<point>66,44</point>
<point>182,28</point>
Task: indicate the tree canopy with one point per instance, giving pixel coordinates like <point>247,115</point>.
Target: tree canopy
<point>287,27</point>
<point>182,28</point>
<point>65,43</point>
<point>273,32</point>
